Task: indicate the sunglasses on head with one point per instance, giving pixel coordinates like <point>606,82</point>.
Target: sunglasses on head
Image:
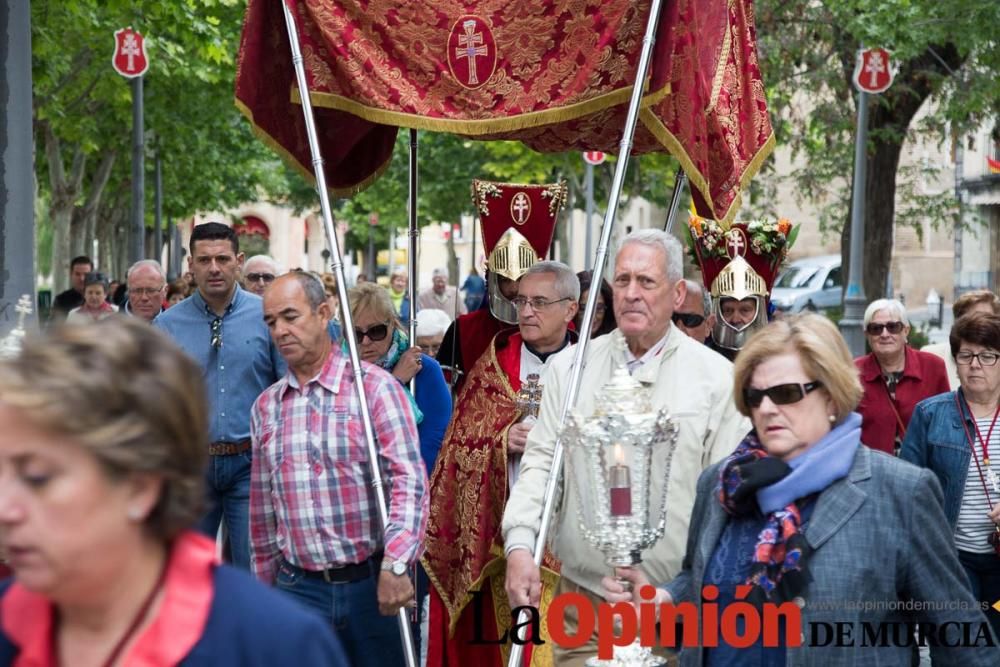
<point>875,329</point>
<point>216,327</point>
<point>780,394</point>
<point>375,333</point>
<point>690,320</point>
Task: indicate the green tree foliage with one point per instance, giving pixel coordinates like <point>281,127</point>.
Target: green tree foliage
<point>83,117</point>
<point>947,56</point>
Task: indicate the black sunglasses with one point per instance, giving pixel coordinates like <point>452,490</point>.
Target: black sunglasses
<point>256,277</point>
<point>690,320</point>
<point>375,333</point>
<point>217,333</point>
<point>780,394</point>
<point>875,329</point>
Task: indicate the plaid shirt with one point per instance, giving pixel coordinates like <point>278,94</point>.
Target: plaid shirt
<point>312,501</point>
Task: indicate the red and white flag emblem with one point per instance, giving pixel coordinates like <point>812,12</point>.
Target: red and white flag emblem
<point>129,58</point>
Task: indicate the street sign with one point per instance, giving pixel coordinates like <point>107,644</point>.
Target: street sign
<point>129,58</point>
<point>594,157</point>
<point>873,72</point>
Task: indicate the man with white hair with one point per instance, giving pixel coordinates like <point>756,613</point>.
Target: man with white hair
<point>693,383</point>
<point>258,274</point>
<point>695,317</point>
<point>478,463</point>
<point>441,296</point>
<point>431,325</point>
<point>147,286</point>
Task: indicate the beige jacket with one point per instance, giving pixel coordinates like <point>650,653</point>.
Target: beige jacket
<point>695,384</point>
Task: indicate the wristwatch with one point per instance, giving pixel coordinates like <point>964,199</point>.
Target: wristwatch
<point>397,567</point>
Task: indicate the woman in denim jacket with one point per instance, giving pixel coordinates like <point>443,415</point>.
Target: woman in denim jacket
<point>957,437</point>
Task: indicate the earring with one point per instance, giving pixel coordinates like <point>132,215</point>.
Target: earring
<point>832,418</point>
<point>134,514</point>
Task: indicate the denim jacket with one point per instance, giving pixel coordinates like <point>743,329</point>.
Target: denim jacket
<point>936,440</point>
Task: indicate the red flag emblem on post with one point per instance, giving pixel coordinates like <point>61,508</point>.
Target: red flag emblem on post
<point>472,51</point>
<point>873,71</point>
<point>129,58</point>
<point>594,157</point>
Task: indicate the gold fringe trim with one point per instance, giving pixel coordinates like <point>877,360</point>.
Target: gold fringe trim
<point>671,143</point>
<point>302,169</point>
<point>485,126</point>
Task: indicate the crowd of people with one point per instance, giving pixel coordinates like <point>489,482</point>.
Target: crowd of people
<point>178,422</point>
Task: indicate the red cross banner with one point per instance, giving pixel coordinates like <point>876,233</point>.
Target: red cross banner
<point>129,58</point>
<point>554,74</point>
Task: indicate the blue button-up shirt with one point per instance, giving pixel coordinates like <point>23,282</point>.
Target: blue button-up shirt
<point>236,372</point>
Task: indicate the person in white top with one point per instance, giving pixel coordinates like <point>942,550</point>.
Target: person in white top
<point>976,301</point>
<point>693,383</point>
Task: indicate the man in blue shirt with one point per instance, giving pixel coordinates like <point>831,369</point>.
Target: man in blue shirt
<point>221,326</point>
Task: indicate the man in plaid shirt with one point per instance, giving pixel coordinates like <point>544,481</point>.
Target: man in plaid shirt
<point>315,531</point>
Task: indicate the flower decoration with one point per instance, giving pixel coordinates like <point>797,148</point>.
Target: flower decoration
<point>707,239</point>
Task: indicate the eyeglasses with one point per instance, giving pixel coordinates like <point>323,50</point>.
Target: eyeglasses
<point>375,333</point>
<point>780,394</point>
<point>145,291</point>
<point>217,333</point>
<point>257,277</point>
<point>875,329</point>
<point>689,320</point>
<point>536,303</point>
<point>985,358</point>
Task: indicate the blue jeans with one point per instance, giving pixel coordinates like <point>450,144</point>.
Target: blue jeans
<point>228,479</point>
<point>369,638</point>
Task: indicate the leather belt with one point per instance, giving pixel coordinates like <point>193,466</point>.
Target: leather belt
<point>224,448</point>
<point>344,574</point>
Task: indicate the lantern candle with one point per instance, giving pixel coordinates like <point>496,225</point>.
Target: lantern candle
<point>621,485</point>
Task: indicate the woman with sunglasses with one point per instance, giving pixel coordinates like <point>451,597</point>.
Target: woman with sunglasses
<point>604,316</point>
<point>956,436</point>
<point>381,341</point>
<point>802,513</point>
<point>894,376</point>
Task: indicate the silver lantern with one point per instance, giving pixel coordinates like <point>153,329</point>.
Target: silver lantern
<point>610,456</point>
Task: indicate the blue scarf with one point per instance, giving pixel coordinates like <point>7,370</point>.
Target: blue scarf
<point>751,479</point>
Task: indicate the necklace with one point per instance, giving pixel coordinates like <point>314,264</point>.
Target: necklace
<point>137,620</point>
<point>990,474</point>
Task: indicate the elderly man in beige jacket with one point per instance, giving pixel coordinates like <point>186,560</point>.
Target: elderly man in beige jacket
<point>692,382</point>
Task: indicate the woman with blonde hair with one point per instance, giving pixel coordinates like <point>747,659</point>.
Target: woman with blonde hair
<point>802,513</point>
<point>102,459</point>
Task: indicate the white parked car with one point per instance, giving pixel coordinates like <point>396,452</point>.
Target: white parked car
<point>812,283</point>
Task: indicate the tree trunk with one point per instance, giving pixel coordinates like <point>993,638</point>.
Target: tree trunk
<point>65,191</point>
<point>880,209</point>
<point>88,212</point>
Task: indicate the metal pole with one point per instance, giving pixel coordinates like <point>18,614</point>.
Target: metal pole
<point>854,295</point>
<point>624,151</point>
<point>158,208</point>
<point>337,265</point>
<point>17,185</point>
<point>137,248</point>
<point>168,267</point>
<point>588,178</point>
<point>675,200</point>
<point>411,249</point>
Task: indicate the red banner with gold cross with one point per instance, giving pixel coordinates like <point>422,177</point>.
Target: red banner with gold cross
<point>554,74</point>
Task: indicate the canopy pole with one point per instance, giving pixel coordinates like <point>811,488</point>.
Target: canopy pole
<point>680,180</point>
<point>337,266</point>
<point>624,151</point>
<point>411,253</point>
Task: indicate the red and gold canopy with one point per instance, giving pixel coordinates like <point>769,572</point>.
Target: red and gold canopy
<point>554,74</point>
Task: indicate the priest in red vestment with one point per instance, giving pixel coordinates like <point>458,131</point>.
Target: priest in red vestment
<point>518,222</point>
<point>477,465</point>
